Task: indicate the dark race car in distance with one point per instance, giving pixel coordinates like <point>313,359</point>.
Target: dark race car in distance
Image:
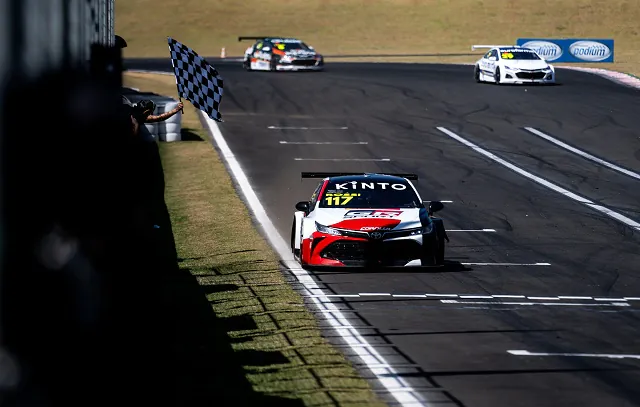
<point>367,220</point>
<point>280,54</point>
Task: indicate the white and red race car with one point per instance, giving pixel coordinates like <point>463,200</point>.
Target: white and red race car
<point>367,220</point>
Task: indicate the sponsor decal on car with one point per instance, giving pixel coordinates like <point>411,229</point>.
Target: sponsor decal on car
<point>591,51</point>
<point>372,213</point>
<point>370,185</point>
<point>262,55</point>
<point>372,228</point>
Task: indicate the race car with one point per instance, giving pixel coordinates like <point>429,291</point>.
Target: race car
<point>280,54</point>
<point>367,220</point>
<point>512,64</point>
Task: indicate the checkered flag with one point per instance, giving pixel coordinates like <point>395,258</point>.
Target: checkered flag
<point>198,81</point>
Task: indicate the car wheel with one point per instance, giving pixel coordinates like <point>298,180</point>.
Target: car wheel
<point>246,65</point>
<point>296,252</point>
<point>273,64</point>
<point>439,257</point>
<point>497,76</point>
<point>476,74</point>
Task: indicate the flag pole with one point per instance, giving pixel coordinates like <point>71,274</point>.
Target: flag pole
<point>174,75</point>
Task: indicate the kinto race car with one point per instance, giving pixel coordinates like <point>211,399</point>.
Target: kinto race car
<point>367,220</point>
<point>280,54</point>
<point>512,64</point>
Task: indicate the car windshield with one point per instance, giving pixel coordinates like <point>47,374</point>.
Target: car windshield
<point>518,54</point>
<point>289,45</point>
<point>365,194</point>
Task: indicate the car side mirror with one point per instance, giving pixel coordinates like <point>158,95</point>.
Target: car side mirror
<point>266,49</point>
<point>310,47</point>
<point>493,59</point>
<point>434,206</point>
<point>302,206</point>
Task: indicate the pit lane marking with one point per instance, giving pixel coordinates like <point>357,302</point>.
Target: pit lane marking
<point>342,159</point>
<point>326,142</point>
<point>581,355</point>
<point>600,208</point>
<point>471,230</point>
<point>306,128</point>
<point>582,153</point>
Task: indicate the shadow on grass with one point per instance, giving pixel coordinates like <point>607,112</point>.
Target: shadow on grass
<point>204,368</point>
<point>275,338</point>
<point>188,135</point>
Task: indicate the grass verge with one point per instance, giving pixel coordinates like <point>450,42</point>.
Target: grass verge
<point>274,337</point>
<point>341,27</point>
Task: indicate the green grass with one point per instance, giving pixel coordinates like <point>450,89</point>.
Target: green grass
<point>378,26</point>
<point>273,335</point>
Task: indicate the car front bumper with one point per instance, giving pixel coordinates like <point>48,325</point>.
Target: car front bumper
<point>324,250</point>
<point>519,76</point>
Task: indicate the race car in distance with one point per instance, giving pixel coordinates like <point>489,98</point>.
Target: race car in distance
<point>367,220</point>
<point>280,54</point>
<point>512,64</point>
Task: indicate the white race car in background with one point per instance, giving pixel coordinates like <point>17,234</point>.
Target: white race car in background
<point>512,64</point>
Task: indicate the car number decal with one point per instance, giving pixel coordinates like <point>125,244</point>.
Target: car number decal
<point>339,199</point>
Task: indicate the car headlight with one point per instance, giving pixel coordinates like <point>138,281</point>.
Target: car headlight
<point>286,58</point>
<point>547,69</point>
<point>508,68</point>
<point>328,230</point>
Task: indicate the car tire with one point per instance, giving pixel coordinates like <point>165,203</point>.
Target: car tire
<point>296,252</point>
<point>273,64</point>
<point>439,256</point>
<point>429,252</point>
<point>497,76</point>
<point>476,74</point>
<point>246,65</point>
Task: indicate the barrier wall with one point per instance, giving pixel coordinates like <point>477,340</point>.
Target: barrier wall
<point>168,130</point>
<point>573,50</point>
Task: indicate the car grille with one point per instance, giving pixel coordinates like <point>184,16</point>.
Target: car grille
<point>531,75</point>
<point>363,253</point>
<point>304,62</point>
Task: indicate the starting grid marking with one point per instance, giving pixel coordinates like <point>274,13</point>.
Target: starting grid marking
<point>453,298</point>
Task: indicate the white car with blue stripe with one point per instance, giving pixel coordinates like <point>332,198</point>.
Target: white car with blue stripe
<point>511,64</point>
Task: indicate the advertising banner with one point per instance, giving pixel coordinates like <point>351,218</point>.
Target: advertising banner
<point>582,50</point>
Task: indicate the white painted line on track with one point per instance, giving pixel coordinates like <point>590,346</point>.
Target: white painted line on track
<point>306,128</point>
<point>581,355</point>
<point>615,215</point>
<point>433,296</point>
<point>326,142</point>
<point>506,264</point>
<point>397,386</point>
<point>342,159</point>
<point>564,304</point>
<point>544,298</point>
<point>471,230</point>
<point>508,296</point>
<point>609,299</point>
<point>571,297</point>
<point>582,153</point>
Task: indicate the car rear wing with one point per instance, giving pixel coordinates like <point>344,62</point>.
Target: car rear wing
<point>477,47</point>
<point>413,177</point>
<point>253,38</point>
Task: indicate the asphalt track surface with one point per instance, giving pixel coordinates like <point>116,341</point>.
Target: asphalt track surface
<point>454,350</point>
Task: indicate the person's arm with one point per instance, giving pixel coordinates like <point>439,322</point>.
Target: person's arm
<point>164,116</point>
